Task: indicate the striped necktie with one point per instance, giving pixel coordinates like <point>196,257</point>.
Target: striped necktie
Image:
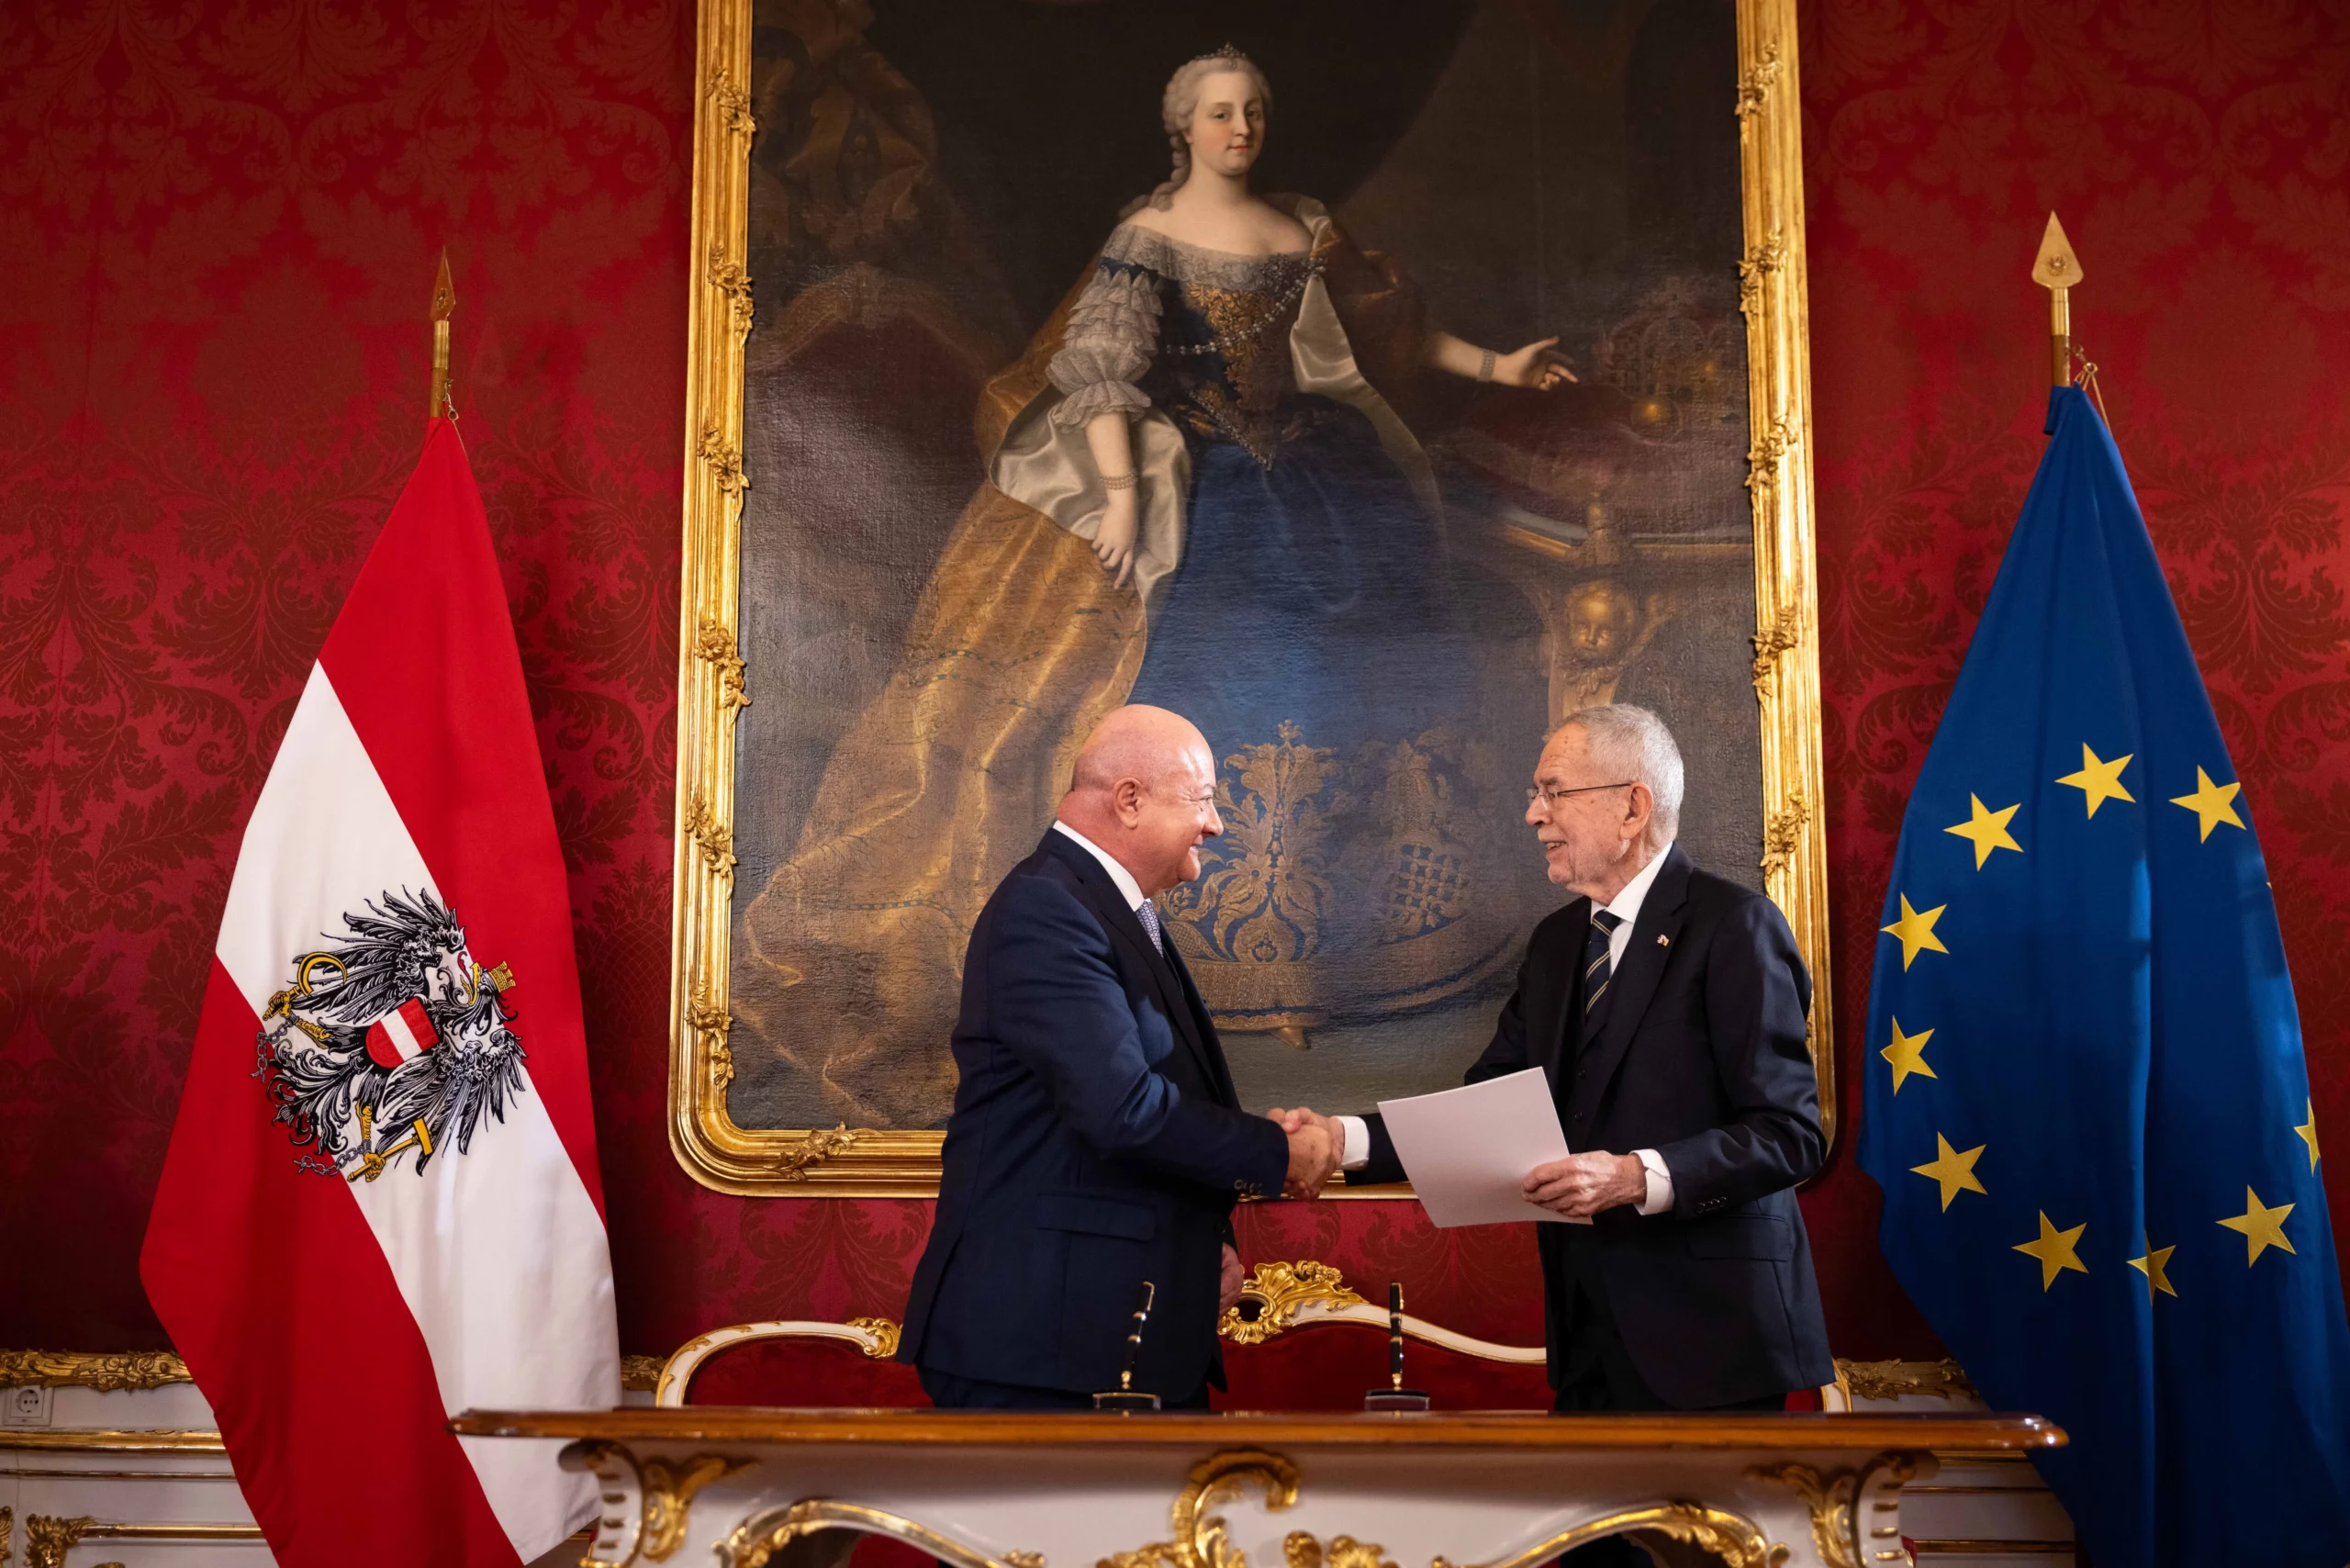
<point>1147,913</point>
<point>1597,970</point>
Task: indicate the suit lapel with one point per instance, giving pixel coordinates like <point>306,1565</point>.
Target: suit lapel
<point>1109,906</point>
<point>1635,980</point>
<point>1566,1034</point>
<point>1211,1048</point>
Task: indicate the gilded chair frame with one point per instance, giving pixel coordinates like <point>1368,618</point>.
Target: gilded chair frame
<point>713,686</point>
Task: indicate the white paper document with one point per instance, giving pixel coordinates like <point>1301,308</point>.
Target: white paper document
<point>1468,1151</point>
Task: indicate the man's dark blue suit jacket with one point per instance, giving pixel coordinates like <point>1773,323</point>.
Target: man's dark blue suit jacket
<point>1095,1143</point>
<point>1702,1057</point>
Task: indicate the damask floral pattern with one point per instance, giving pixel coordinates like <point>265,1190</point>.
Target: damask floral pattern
<point>2196,149</point>
<point>219,219</point>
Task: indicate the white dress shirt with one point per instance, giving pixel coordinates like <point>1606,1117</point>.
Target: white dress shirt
<point>1127,886</point>
<point>1625,906</point>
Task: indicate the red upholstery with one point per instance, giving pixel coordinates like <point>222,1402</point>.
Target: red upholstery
<point>804,1372</point>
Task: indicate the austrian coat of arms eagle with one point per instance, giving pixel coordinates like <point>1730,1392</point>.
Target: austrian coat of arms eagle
<point>389,1045</point>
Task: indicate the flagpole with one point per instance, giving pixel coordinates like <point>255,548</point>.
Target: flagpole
<point>444,301</point>
<point>2058,269</point>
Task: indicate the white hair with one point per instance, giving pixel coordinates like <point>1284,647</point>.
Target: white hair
<point>1633,745</point>
<point>1181,100</point>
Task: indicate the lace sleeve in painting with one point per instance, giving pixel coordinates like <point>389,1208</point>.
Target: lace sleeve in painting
<point>1113,333</point>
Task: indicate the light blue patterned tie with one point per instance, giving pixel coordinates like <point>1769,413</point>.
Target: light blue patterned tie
<point>1147,913</point>
<point>1597,970</point>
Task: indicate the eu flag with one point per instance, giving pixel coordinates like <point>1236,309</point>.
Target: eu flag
<point>2085,1098</point>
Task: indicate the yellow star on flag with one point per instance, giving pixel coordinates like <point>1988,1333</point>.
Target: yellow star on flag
<point>1954,1169</point>
<point>2054,1251</point>
<point>2262,1228</point>
<point>2308,1130</point>
<point>1907,1055</point>
<point>2151,1265</point>
<point>1916,931</point>
<point>2099,780</point>
<point>2211,803</point>
<point>1987,829</point>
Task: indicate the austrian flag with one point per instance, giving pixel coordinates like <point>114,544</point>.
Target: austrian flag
<point>381,1204</point>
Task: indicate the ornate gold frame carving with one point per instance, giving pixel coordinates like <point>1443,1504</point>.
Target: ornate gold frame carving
<point>713,687</point>
<point>110,1371</point>
<point>106,1371</point>
<point>1890,1379</point>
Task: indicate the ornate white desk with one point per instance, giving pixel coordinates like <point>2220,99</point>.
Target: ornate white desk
<point>745,1488</point>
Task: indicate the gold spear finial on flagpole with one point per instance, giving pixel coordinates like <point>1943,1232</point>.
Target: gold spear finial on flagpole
<point>2057,270</point>
<point>444,301</point>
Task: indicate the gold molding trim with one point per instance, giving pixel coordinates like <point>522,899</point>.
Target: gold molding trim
<point>1199,1538</point>
<point>1775,293</point>
<point>106,1371</point>
<point>1738,1541</point>
<point>47,1538</point>
<point>111,1439</point>
<point>759,1538</point>
<point>669,1496</point>
<point>1300,1549</point>
<point>646,1502</point>
<point>862,1162</point>
<point>1838,1501</point>
<point>814,1148</point>
<point>112,1372</point>
<point>716,646</point>
<point>1890,1379</point>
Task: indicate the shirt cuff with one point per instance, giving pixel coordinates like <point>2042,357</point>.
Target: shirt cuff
<point>1659,1196</point>
<point>1358,1149</point>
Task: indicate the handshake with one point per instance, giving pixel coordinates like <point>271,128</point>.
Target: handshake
<point>1317,1148</point>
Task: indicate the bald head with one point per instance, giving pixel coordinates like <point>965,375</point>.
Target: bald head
<point>1139,742</point>
<point>1144,790</point>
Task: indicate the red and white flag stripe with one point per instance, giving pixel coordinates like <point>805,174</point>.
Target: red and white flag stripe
<point>335,1323</point>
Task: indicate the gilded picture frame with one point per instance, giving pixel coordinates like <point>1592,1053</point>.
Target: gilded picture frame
<point>715,687</point>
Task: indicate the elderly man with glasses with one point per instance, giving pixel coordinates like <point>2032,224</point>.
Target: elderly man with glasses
<point>1667,1007</point>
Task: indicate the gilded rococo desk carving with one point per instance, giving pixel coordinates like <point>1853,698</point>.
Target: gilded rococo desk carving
<point>748,1487</point>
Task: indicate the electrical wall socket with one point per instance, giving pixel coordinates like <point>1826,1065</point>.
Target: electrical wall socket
<point>25,1407</point>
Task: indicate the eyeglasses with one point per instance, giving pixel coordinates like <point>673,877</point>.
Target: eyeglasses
<point>1552,797</point>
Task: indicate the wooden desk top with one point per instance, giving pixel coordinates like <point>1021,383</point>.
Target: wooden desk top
<point>1965,1432</point>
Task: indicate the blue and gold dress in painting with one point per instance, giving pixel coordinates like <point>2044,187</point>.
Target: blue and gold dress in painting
<point>1289,594</point>
<point>1308,627</point>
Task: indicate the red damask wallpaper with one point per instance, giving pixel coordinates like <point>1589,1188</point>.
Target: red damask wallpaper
<point>217,225</point>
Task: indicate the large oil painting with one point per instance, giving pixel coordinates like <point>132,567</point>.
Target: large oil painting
<point>1370,381</point>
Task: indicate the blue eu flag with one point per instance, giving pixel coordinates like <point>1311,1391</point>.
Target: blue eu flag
<point>2085,1099</point>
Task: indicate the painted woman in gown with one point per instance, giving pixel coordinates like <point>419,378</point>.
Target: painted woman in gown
<point>1199,496</point>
